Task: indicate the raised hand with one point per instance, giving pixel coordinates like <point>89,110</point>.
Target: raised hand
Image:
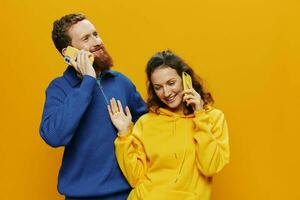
<point>120,120</point>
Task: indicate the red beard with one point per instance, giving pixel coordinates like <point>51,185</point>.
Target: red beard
<point>102,59</point>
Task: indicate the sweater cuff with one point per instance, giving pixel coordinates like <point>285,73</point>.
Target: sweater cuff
<point>88,83</point>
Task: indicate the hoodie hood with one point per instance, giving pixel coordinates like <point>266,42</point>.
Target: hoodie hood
<point>167,112</point>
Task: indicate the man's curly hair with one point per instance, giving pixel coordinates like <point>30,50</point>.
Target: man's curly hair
<point>61,27</point>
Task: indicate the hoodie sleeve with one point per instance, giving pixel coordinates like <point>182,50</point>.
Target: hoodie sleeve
<point>131,155</point>
<point>211,140</point>
<point>62,113</point>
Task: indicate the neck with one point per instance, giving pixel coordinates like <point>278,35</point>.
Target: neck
<point>178,109</point>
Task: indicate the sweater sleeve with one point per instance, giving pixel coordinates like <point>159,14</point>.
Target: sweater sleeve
<point>131,155</point>
<point>136,104</point>
<point>62,112</point>
<point>211,140</point>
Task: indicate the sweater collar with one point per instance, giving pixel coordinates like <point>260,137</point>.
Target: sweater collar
<point>73,79</point>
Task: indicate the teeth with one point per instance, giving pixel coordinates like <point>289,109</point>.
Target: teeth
<point>170,99</point>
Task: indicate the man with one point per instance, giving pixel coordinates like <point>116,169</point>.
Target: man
<point>75,114</point>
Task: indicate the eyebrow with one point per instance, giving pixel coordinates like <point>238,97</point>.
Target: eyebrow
<point>84,36</point>
<point>172,79</point>
<point>89,34</point>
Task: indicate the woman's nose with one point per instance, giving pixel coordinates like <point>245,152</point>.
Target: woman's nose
<point>167,92</point>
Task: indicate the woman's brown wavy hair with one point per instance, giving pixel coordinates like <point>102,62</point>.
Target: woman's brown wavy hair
<point>169,59</point>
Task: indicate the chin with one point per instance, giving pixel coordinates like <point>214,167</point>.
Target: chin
<point>103,64</point>
<point>174,105</point>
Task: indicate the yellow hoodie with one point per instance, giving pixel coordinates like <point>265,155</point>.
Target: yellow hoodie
<point>168,156</point>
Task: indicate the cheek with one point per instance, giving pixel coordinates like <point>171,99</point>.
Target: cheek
<point>178,88</point>
<point>86,46</point>
<point>83,45</point>
<point>159,94</point>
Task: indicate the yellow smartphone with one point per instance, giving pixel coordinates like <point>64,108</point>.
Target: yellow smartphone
<point>71,52</point>
<point>187,81</point>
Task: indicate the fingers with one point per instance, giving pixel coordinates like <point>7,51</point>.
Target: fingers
<point>74,64</point>
<point>187,97</point>
<point>190,91</point>
<point>83,58</point>
<point>82,63</point>
<point>191,96</point>
<point>80,58</point>
<point>192,102</point>
<point>109,111</point>
<point>89,58</point>
<point>114,106</point>
<point>120,106</point>
<point>128,114</point>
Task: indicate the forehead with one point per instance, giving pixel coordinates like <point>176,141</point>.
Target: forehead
<point>81,28</point>
<point>162,75</point>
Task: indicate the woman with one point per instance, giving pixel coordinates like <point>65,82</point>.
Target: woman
<point>173,151</point>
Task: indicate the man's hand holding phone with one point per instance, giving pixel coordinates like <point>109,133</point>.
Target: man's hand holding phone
<point>81,60</point>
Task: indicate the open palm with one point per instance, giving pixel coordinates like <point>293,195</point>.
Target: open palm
<point>120,120</point>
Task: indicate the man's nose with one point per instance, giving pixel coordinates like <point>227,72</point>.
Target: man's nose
<point>97,40</point>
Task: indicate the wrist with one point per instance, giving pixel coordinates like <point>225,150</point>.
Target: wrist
<point>198,108</point>
<point>125,130</point>
<point>91,74</point>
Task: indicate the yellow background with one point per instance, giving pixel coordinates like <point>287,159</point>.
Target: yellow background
<point>247,51</point>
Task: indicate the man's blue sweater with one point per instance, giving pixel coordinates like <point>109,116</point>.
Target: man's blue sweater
<point>75,116</point>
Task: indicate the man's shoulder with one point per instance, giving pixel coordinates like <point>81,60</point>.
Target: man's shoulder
<point>120,75</point>
<point>58,81</point>
<point>122,78</point>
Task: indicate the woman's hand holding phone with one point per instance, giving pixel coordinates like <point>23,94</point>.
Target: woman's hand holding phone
<point>190,95</point>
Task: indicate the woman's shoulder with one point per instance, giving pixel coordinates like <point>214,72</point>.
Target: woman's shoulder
<point>211,111</point>
<point>146,117</point>
<point>215,111</point>
<point>215,114</point>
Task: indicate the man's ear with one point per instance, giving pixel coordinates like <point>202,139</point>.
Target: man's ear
<point>63,51</point>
